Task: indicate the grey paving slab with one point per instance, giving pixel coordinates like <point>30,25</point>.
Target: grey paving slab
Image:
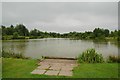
<point>55,67</point>
<point>37,71</point>
<point>60,67</point>
<point>66,68</point>
<point>43,67</point>
<point>65,73</point>
<point>44,63</point>
<point>52,72</point>
<point>58,64</point>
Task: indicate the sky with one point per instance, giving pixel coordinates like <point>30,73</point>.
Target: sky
<point>61,16</point>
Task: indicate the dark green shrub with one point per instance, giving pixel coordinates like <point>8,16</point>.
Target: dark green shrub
<point>15,35</point>
<point>21,37</point>
<point>90,56</point>
<point>33,37</point>
<point>112,59</point>
<point>7,37</point>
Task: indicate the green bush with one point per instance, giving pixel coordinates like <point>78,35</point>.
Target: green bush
<point>15,35</point>
<point>90,56</point>
<point>112,59</point>
<point>7,37</point>
<point>9,54</point>
<point>33,37</point>
<point>21,37</point>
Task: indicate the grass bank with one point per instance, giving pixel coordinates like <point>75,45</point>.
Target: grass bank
<point>21,68</point>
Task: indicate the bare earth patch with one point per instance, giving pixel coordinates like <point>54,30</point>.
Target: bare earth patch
<point>58,67</point>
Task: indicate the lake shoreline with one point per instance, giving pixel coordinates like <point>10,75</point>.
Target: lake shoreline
<point>100,39</point>
<point>58,47</point>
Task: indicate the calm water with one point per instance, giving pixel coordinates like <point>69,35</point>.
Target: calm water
<point>35,48</point>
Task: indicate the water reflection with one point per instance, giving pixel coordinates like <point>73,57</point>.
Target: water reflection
<point>100,43</point>
<point>17,46</point>
<point>116,43</point>
<point>36,48</point>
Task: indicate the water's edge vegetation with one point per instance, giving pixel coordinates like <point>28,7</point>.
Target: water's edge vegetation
<point>21,32</point>
<point>88,56</point>
<point>91,56</point>
<point>9,54</point>
<point>91,65</point>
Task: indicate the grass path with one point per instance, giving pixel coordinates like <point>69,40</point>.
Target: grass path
<point>19,68</point>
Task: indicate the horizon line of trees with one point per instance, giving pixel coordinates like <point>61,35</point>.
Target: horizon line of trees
<point>21,32</point>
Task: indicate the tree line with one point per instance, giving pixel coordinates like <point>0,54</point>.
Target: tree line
<point>21,32</point>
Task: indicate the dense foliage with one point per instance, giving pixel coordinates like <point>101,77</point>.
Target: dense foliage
<point>21,32</point>
<point>112,59</point>
<point>8,54</point>
<point>90,56</point>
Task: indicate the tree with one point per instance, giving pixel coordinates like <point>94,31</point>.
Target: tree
<point>12,29</point>
<point>15,35</point>
<point>22,30</point>
<point>100,32</point>
<point>96,31</point>
<point>3,30</point>
<point>106,32</point>
<point>34,32</point>
<point>9,31</point>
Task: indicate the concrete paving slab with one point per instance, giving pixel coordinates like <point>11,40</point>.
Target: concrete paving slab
<point>55,67</point>
<point>52,72</point>
<point>44,63</point>
<point>57,64</point>
<point>58,67</point>
<point>72,65</point>
<point>65,73</point>
<point>67,68</point>
<point>37,71</point>
<point>43,67</point>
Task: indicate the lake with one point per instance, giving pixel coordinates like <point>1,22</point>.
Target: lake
<point>59,47</point>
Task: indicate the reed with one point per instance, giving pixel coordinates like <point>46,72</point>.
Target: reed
<point>90,56</point>
<point>113,59</point>
<point>9,54</point>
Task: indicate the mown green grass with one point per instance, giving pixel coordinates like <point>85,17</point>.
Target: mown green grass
<point>0,68</point>
<point>21,68</point>
<point>97,70</point>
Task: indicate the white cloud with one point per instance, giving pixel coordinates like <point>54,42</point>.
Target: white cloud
<point>62,17</point>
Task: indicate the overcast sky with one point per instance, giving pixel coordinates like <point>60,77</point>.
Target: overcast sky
<point>61,16</point>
